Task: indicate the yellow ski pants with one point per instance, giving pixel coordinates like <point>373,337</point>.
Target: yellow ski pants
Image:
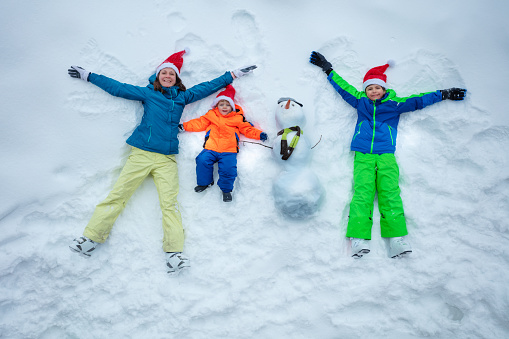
<point>138,166</point>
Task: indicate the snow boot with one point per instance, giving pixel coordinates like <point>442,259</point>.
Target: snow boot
<point>399,247</point>
<point>199,188</point>
<point>227,197</point>
<point>176,262</point>
<point>83,246</point>
<point>359,247</point>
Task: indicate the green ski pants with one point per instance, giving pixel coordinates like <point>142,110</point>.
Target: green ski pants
<point>138,166</point>
<point>376,173</point>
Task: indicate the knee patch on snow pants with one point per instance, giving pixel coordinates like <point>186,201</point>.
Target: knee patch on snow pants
<point>376,173</point>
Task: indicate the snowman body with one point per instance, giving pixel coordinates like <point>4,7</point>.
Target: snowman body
<point>297,191</point>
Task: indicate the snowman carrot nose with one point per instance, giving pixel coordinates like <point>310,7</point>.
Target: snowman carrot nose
<point>287,104</point>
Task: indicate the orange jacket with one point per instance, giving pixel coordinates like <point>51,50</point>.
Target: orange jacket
<point>223,130</point>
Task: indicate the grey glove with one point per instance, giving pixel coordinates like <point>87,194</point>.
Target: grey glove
<point>240,72</point>
<point>78,72</point>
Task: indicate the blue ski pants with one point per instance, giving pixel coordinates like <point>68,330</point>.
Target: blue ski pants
<point>227,169</point>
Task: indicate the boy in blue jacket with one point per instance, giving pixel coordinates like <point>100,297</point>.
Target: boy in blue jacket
<point>374,144</point>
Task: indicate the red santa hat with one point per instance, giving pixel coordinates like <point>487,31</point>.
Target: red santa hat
<point>228,94</point>
<point>376,76</point>
<point>174,62</point>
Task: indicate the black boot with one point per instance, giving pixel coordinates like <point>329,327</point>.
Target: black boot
<point>227,197</point>
<point>199,189</point>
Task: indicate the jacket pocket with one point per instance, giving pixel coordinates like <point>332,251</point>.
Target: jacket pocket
<point>149,133</point>
<point>390,134</point>
<point>358,130</point>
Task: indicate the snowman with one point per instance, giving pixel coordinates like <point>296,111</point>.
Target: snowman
<point>297,191</point>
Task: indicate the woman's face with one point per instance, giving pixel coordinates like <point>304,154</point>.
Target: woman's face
<point>167,77</point>
<point>224,107</point>
<point>375,92</point>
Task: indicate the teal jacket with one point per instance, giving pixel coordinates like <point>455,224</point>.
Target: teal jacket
<point>158,129</point>
<point>377,121</point>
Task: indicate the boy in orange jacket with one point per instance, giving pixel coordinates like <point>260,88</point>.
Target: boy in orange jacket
<point>223,124</point>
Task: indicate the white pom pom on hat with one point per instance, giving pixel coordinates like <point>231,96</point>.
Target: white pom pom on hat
<point>376,75</point>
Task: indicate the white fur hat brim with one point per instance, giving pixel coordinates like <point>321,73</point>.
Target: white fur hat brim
<point>374,82</point>
<point>167,65</point>
<point>223,97</point>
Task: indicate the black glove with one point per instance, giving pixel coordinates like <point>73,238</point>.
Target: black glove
<point>320,61</point>
<point>453,93</point>
<point>78,72</point>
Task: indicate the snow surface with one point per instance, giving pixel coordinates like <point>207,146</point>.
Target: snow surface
<point>255,274</point>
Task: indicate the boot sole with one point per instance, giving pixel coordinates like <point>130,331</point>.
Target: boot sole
<point>403,254</point>
<point>359,254</point>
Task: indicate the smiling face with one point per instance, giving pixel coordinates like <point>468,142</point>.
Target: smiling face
<point>224,107</point>
<point>167,77</point>
<point>375,92</point>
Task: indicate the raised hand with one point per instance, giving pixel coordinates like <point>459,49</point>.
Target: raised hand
<point>243,71</point>
<point>320,61</point>
<point>78,72</point>
<point>453,93</point>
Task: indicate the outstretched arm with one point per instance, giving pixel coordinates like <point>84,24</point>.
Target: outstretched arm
<point>205,89</point>
<point>109,85</point>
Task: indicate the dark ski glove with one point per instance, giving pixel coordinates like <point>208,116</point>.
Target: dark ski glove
<point>243,71</point>
<point>453,93</point>
<point>78,72</point>
<point>320,61</point>
<point>263,136</point>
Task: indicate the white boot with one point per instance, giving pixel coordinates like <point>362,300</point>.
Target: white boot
<point>399,247</point>
<point>176,262</point>
<point>359,247</point>
<point>83,246</point>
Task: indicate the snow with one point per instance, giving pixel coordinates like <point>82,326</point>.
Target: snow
<point>255,273</point>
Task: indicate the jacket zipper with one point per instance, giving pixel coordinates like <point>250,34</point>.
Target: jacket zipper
<point>150,132</point>
<point>390,133</point>
<point>374,126</point>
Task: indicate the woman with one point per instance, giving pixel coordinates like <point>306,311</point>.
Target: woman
<point>155,145</point>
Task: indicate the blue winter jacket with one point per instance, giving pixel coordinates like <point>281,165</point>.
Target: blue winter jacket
<point>158,129</point>
<point>377,121</point>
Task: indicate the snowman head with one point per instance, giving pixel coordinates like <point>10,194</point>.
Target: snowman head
<point>289,113</point>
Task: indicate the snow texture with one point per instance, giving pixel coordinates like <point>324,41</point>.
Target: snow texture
<point>254,273</point>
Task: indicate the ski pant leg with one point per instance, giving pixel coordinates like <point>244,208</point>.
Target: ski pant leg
<point>360,219</point>
<point>166,179</point>
<point>205,167</point>
<point>390,205</point>
<point>136,169</point>
<point>227,168</point>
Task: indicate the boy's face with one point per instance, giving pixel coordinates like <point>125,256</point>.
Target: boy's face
<point>375,92</point>
<point>224,107</point>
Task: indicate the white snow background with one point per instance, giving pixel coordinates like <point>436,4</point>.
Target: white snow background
<point>255,273</point>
